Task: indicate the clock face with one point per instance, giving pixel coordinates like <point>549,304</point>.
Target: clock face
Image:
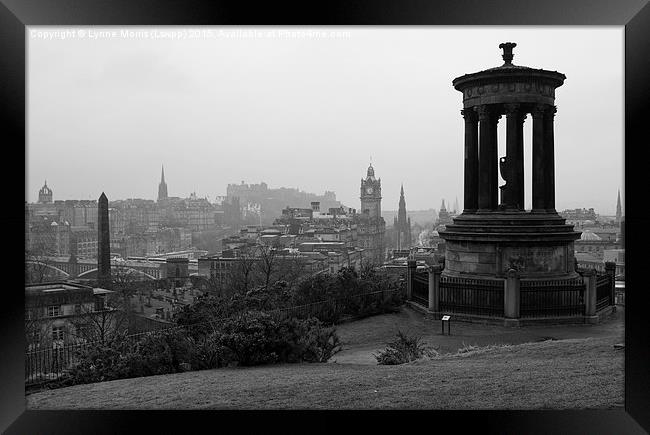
<point>369,190</point>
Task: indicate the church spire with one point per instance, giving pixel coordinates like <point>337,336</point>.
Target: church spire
<point>618,207</point>
<point>162,187</point>
<point>403,224</point>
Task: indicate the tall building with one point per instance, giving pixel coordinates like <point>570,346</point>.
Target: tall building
<point>103,243</point>
<point>402,224</point>
<point>618,208</point>
<point>371,227</point>
<point>162,187</point>
<point>443,216</point>
<point>45,195</point>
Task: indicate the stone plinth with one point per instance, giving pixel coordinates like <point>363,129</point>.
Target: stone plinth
<point>488,245</point>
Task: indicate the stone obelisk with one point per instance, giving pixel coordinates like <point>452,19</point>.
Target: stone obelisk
<point>103,244</point>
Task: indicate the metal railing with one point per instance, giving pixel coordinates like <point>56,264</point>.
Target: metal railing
<point>420,291</point>
<point>51,363</point>
<point>557,298</point>
<point>604,285</point>
<point>471,296</point>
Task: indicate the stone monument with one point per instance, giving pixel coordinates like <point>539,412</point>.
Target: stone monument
<point>103,243</point>
<point>494,235</point>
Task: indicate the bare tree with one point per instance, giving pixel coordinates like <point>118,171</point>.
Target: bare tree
<point>98,325</point>
<point>37,326</point>
<point>242,275</point>
<point>268,263</point>
<point>213,284</point>
<point>38,266</point>
<point>126,282</point>
<point>290,268</point>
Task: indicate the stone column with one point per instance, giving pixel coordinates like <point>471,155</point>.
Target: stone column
<point>589,279</point>
<point>610,270</point>
<point>434,288</point>
<point>519,167</point>
<point>515,155</point>
<point>511,297</point>
<point>494,176</point>
<point>471,160</point>
<point>539,195</point>
<point>488,159</point>
<point>549,160</point>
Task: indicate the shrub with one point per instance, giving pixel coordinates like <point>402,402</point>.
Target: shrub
<point>344,292</point>
<point>102,362</point>
<point>404,349</point>
<point>252,337</point>
<point>122,357</point>
<point>201,315</point>
<point>210,353</point>
<point>311,340</point>
<point>160,353</point>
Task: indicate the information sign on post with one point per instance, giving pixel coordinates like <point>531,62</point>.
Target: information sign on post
<point>446,319</point>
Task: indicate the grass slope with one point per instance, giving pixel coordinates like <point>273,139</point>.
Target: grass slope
<point>572,373</point>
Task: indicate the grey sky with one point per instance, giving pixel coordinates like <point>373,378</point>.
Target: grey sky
<point>305,111</point>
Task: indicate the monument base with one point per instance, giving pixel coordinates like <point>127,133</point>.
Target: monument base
<point>486,245</point>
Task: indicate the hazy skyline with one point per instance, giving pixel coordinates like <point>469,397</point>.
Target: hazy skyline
<point>105,112</point>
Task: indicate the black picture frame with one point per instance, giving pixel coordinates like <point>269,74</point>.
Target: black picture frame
<point>15,15</point>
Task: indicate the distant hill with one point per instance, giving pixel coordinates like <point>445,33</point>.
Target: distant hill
<point>417,216</point>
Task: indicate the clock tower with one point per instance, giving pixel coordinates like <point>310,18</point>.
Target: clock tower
<point>371,226</point>
<point>371,195</point>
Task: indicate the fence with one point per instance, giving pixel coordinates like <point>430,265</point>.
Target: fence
<point>45,365</point>
<point>420,291</point>
<point>524,297</point>
<point>471,296</point>
<point>604,285</point>
<point>556,298</point>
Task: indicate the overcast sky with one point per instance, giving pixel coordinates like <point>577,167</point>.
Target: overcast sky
<point>219,105</point>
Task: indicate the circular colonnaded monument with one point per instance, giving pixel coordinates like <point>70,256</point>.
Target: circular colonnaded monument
<point>495,233</point>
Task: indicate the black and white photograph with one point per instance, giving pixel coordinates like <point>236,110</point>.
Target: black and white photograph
<point>293,217</point>
<point>324,218</point>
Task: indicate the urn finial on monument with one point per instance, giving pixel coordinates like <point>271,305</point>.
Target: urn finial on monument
<point>507,51</point>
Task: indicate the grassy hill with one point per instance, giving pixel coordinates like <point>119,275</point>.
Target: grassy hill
<point>571,373</point>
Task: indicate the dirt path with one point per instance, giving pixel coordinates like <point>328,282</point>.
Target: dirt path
<point>363,338</point>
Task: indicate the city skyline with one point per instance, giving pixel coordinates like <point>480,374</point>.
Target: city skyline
<point>304,113</point>
<point>449,204</point>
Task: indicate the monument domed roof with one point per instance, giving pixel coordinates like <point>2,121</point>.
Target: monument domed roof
<point>589,236</point>
<point>510,73</point>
